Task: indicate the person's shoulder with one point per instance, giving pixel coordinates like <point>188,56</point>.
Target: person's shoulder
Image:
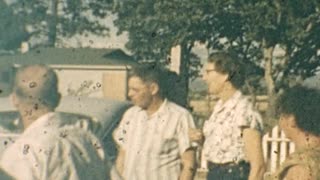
<point>133,109</point>
<point>55,129</point>
<point>64,137</point>
<point>64,116</point>
<point>73,135</point>
<point>244,99</point>
<point>130,113</point>
<point>310,155</point>
<point>298,172</point>
<point>175,108</point>
<point>245,103</point>
<point>33,142</point>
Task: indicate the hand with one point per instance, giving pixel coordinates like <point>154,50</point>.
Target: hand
<point>196,135</point>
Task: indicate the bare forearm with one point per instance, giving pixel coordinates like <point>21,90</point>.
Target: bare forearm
<point>120,162</point>
<point>119,167</point>
<point>187,174</point>
<point>188,165</point>
<point>253,150</point>
<point>257,172</point>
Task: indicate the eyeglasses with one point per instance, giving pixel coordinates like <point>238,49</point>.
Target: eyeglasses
<point>209,70</point>
<point>206,72</point>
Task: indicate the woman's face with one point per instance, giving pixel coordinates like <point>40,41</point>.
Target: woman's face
<point>287,124</point>
<point>214,79</point>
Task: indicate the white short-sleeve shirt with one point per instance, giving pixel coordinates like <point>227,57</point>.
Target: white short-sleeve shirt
<point>154,144</point>
<point>47,150</point>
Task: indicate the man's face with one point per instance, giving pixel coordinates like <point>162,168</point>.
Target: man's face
<point>139,92</point>
<point>214,79</point>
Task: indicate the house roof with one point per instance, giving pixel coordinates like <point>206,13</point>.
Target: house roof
<point>70,56</point>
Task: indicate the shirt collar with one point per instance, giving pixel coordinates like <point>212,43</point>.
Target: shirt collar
<point>161,110</point>
<point>42,121</point>
<point>230,103</point>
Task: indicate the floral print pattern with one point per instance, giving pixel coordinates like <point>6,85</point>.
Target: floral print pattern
<point>223,131</point>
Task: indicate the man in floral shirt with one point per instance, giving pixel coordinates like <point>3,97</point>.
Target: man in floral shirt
<point>232,135</point>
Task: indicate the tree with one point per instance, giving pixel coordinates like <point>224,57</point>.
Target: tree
<point>251,28</point>
<point>291,26</point>
<point>255,29</point>
<point>155,26</point>
<point>53,18</point>
<point>12,32</point>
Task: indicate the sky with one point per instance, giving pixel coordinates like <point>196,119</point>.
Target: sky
<point>112,41</point>
<point>116,41</point>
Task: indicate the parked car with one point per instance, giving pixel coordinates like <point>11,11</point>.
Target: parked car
<point>104,115</point>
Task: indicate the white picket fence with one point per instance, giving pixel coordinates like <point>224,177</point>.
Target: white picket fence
<point>276,148</point>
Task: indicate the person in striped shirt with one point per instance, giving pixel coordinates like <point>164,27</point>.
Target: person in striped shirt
<point>153,134</point>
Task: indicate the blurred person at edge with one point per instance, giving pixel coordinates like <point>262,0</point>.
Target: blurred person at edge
<point>232,136</point>
<point>48,147</point>
<point>298,108</point>
<point>153,134</point>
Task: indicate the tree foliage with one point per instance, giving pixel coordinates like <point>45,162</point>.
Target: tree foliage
<point>255,29</point>
<point>155,26</point>
<point>291,25</point>
<point>12,32</point>
<point>54,19</point>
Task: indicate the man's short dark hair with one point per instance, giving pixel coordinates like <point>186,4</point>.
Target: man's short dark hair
<point>151,73</point>
<point>303,103</point>
<point>228,63</point>
<point>44,92</point>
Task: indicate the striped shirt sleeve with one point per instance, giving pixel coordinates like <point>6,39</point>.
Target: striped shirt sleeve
<point>185,123</point>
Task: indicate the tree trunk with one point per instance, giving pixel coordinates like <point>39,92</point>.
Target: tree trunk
<point>52,23</point>
<point>267,55</point>
<point>184,75</point>
<point>252,92</point>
